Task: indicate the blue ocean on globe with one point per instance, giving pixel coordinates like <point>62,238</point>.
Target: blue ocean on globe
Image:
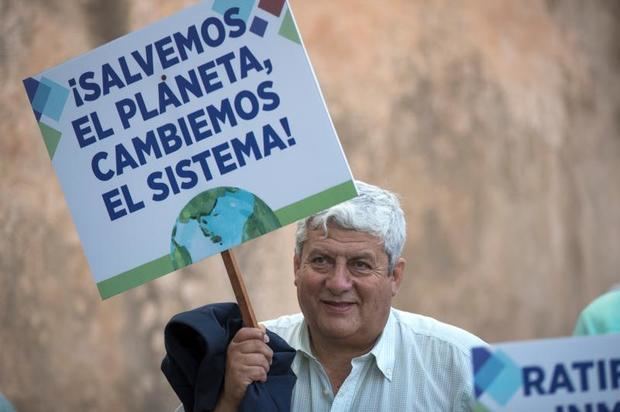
<point>217,220</point>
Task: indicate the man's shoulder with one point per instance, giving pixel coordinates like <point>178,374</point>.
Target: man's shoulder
<point>285,326</point>
<point>418,327</point>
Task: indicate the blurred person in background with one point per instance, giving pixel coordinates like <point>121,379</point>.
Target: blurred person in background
<point>5,405</point>
<point>601,316</point>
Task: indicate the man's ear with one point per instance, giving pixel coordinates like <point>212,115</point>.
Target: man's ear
<point>397,275</point>
<point>296,266</point>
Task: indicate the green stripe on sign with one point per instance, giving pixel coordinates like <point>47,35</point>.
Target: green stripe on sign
<point>316,203</point>
<point>135,277</point>
<point>51,137</point>
<point>288,29</point>
<point>159,267</point>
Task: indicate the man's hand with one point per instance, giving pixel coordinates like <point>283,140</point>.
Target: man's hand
<point>247,360</point>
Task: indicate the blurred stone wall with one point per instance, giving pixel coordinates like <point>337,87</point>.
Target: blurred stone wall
<point>498,123</point>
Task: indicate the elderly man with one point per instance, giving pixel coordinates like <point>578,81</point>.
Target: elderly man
<point>354,352</point>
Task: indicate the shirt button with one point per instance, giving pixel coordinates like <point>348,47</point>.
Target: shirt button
<point>325,391</point>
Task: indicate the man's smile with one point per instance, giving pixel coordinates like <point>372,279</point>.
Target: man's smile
<point>337,306</point>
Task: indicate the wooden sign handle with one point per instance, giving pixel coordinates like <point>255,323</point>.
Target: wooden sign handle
<point>243,299</point>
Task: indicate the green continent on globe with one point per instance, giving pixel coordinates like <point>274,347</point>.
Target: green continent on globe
<point>203,204</point>
<point>179,255</point>
<point>261,221</point>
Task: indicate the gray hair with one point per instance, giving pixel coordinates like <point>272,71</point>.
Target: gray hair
<point>374,211</point>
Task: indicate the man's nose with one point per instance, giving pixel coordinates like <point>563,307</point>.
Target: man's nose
<point>340,279</point>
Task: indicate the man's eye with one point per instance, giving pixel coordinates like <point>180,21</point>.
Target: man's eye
<point>361,265</point>
<point>318,260</point>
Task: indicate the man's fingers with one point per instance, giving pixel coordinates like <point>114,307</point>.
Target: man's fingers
<point>250,333</point>
<point>254,346</point>
<point>256,360</point>
<point>248,360</point>
<point>257,374</point>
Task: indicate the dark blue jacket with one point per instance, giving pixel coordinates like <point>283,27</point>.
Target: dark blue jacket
<point>196,343</point>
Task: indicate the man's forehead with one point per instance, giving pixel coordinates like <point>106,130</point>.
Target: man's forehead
<point>337,237</point>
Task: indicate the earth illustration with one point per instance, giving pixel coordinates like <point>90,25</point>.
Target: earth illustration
<point>216,220</point>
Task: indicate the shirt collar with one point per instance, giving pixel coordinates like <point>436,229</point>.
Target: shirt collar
<point>301,342</point>
<point>383,351</point>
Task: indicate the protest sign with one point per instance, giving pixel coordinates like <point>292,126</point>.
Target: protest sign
<point>189,137</point>
<point>580,374</point>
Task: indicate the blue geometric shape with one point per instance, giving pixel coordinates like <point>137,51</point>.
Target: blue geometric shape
<point>37,115</point>
<point>40,98</point>
<point>479,357</point>
<point>488,372</point>
<point>31,85</point>
<point>258,26</point>
<point>56,99</point>
<point>507,382</point>
<point>245,7</point>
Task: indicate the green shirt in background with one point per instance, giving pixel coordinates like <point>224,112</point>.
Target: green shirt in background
<point>601,316</point>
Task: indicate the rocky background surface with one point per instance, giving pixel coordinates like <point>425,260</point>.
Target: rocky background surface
<point>498,123</point>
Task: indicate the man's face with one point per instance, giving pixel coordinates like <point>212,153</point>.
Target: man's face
<point>343,285</point>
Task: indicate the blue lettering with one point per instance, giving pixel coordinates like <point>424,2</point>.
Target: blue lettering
<point>170,141</point>
<point>185,43</point>
<point>101,134</point>
<point>582,368</point>
<point>103,176</point>
<point>266,95</point>
<point>155,184</point>
<point>602,376</point>
<point>209,77</point>
<point>196,123</point>
<point>144,111</point>
<point>201,158</point>
<point>247,149</point>
<point>112,204</point>
<point>224,113</point>
<point>147,147</point>
<point>126,109</point>
<point>253,101</point>
<point>192,85</point>
<point>183,171</point>
<point>248,62</point>
<point>81,127</point>
<point>110,79</point>
<point>124,160</point>
<point>76,94</point>
<point>87,84</point>
<point>221,156</point>
<point>173,182</point>
<point>164,52</point>
<point>205,30</point>
<point>166,98</point>
<point>187,138</point>
<point>131,205</point>
<point>614,365</point>
<point>533,377</point>
<point>225,60</point>
<point>602,407</point>
<point>589,407</point>
<point>271,140</point>
<point>560,380</point>
<point>145,63</point>
<point>129,77</point>
<point>234,22</point>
